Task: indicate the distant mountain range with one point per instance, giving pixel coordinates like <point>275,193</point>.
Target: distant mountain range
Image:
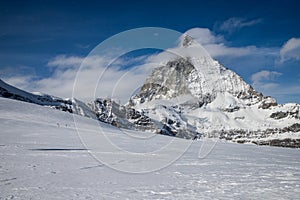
<point>190,96</point>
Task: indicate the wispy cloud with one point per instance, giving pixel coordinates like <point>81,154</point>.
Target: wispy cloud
<point>63,61</point>
<point>19,76</point>
<point>204,36</point>
<point>235,23</point>
<point>264,75</point>
<point>217,46</point>
<point>20,81</point>
<point>81,46</point>
<point>265,80</point>
<point>290,50</point>
<point>89,77</point>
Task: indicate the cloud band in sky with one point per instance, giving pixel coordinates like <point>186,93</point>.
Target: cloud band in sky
<point>64,68</point>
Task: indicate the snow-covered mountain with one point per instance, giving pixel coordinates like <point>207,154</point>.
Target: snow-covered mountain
<point>194,95</point>
<point>68,105</point>
<point>189,96</point>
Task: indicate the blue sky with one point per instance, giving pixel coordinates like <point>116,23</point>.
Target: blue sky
<point>40,41</point>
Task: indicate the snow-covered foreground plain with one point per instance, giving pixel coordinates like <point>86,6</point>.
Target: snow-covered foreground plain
<point>41,159</point>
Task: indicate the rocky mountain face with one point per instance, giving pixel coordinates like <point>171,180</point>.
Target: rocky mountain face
<point>109,111</point>
<point>190,96</point>
<point>194,95</point>
<point>182,77</point>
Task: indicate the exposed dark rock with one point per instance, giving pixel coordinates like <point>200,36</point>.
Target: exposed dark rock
<point>167,130</point>
<point>267,102</point>
<point>242,117</point>
<point>288,142</point>
<point>261,137</point>
<point>236,108</point>
<point>171,77</point>
<point>187,41</point>
<point>294,128</point>
<point>279,115</point>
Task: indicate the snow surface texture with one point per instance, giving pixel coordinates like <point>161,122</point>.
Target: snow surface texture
<point>42,157</point>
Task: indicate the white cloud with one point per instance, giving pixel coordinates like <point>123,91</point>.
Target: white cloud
<point>265,75</point>
<point>87,78</point>
<point>64,61</point>
<point>267,83</point>
<point>204,36</point>
<point>221,49</point>
<point>217,46</point>
<point>263,81</point>
<point>19,81</point>
<point>290,50</point>
<point>95,79</point>
<point>236,23</point>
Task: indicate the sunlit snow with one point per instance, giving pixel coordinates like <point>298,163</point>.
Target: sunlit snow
<point>42,157</point>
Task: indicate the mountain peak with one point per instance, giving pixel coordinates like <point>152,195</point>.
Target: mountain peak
<point>203,79</point>
<point>187,41</point>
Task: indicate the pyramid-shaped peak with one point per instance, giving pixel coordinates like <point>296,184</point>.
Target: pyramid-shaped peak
<point>187,41</point>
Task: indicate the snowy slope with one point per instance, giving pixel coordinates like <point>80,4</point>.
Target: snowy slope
<point>11,92</point>
<point>68,105</point>
<point>43,160</point>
